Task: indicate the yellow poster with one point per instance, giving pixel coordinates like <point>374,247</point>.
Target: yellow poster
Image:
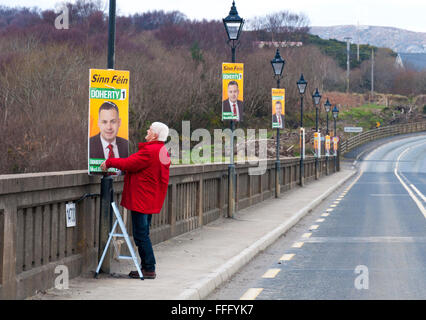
<point>232,91</point>
<point>278,108</point>
<point>108,135</point>
<point>327,145</point>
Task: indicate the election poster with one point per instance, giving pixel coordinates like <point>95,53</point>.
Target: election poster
<point>278,108</point>
<point>108,135</point>
<point>232,91</point>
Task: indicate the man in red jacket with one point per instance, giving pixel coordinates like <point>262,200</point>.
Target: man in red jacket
<point>145,186</point>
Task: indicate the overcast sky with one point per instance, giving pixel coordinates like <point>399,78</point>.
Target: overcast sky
<point>405,14</point>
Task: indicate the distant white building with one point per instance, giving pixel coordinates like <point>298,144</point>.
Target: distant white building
<point>277,44</point>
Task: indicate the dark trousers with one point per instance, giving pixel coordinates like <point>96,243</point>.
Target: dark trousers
<point>141,223</point>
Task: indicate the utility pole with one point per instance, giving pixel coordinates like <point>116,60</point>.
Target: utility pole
<point>348,48</point>
<point>357,47</point>
<point>372,72</point>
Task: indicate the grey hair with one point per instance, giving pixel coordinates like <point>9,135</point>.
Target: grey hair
<point>161,130</point>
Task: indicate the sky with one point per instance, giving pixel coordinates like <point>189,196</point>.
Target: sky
<point>404,14</point>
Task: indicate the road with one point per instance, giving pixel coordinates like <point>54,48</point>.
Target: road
<point>366,241</point>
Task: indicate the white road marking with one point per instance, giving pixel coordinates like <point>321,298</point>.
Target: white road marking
<point>412,195</point>
<point>325,215</point>
<point>306,235</point>
<point>320,220</point>
<point>418,192</point>
<point>314,227</point>
<point>271,273</point>
<point>287,257</point>
<point>297,245</point>
<point>251,294</point>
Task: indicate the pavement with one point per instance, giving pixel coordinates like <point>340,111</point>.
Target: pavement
<point>192,265</point>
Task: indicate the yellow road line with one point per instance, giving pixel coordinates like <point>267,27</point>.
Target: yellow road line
<point>287,257</point>
<point>297,245</point>
<point>271,273</point>
<point>251,294</point>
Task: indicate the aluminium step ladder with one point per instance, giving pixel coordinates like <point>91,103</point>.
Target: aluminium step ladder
<point>125,235</point>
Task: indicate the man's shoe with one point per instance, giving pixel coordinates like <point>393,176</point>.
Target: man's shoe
<point>148,274</point>
<point>134,274</point>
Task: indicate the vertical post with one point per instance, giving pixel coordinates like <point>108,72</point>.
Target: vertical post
<point>347,63</point>
<point>105,220</point>
<point>277,162</point>
<point>107,192</point>
<point>111,34</point>
<point>231,168</point>
<point>335,155</point>
<point>302,180</point>
<point>319,142</point>
<point>372,73</point>
<point>326,157</point>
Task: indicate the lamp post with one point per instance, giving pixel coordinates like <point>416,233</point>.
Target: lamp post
<point>107,191</point>
<point>278,67</point>
<point>233,25</point>
<point>316,98</point>
<point>301,86</point>
<point>327,107</point>
<point>335,112</point>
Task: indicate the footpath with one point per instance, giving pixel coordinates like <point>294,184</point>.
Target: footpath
<point>192,265</point>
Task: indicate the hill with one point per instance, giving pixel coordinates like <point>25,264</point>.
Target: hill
<point>399,40</point>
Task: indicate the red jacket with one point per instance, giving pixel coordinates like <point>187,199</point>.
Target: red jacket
<point>147,177</point>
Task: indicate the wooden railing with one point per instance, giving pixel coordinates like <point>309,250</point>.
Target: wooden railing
<point>34,239</point>
<point>380,132</point>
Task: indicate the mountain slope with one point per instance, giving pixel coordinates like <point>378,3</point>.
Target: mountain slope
<point>399,40</point>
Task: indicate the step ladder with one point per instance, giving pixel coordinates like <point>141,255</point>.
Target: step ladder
<point>125,235</point>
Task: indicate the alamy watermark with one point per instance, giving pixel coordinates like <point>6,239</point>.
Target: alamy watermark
<point>217,149</point>
<point>362,281</point>
<point>62,280</point>
<point>62,21</point>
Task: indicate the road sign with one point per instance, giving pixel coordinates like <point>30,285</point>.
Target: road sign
<point>353,129</point>
<point>70,214</point>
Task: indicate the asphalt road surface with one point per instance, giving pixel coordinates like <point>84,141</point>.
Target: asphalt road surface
<point>366,241</point>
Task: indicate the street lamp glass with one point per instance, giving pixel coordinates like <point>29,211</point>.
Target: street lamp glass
<point>301,84</point>
<point>233,23</point>
<point>316,97</point>
<point>335,112</point>
<point>327,106</point>
<point>278,64</point>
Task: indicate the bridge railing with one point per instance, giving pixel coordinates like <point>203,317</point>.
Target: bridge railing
<point>34,238</point>
<point>381,132</point>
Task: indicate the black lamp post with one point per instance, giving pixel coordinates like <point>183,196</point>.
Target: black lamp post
<point>335,112</point>
<point>278,67</point>
<point>327,106</point>
<point>233,25</point>
<point>301,86</point>
<point>316,98</point>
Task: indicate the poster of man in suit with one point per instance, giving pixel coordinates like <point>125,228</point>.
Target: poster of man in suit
<point>232,91</point>
<point>278,108</point>
<point>108,118</point>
